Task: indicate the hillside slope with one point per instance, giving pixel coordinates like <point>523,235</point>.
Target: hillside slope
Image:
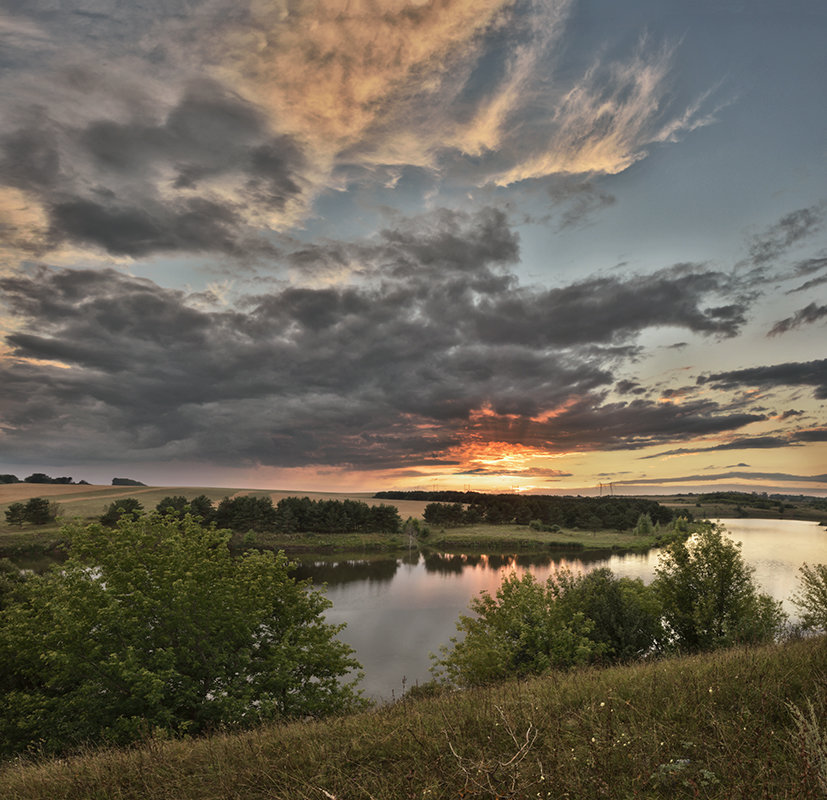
<point>711,726</point>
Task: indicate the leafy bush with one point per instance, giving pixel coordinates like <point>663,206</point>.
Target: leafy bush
<point>812,596</point>
<point>520,631</point>
<point>625,613</point>
<point>127,506</point>
<point>708,595</point>
<point>155,627</point>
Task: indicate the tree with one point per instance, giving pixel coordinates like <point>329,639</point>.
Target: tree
<point>11,579</point>
<point>39,511</point>
<point>38,477</point>
<point>644,526</point>
<point>125,506</point>
<point>16,514</point>
<point>708,595</point>
<point>155,626</point>
<point>812,596</point>
<point>246,512</point>
<point>520,631</point>
<point>201,507</point>
<point>36,510</point>
<point>177,503</point>
<point>625,613</point>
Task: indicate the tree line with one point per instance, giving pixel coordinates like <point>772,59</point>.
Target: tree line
<point>289,515</point>
<point>41,477</point>
<point>452,509</point>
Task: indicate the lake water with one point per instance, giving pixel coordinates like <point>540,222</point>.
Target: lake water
<point>399,610</point>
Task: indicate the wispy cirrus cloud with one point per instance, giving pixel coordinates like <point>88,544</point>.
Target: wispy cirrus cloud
<point>807,315</point>
<point>240,115</point>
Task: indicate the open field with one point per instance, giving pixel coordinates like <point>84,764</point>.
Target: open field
<point>89,502</point>
<point>710,726</point>
<point>744,505</point>
<point>521,537</point>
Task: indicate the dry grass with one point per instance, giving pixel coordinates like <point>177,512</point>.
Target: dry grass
<point>712,726</point>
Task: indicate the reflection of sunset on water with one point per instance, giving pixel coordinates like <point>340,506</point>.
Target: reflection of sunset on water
<point>406,608</point>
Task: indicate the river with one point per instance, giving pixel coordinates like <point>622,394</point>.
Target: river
<point>397,611</point>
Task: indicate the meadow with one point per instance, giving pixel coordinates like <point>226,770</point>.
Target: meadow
<point>730,724</point>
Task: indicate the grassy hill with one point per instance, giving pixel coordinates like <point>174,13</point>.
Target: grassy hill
<point>710,726</point>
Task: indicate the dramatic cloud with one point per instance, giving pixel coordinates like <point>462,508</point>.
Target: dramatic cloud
<point>742,443</point>
<point>470,238</point>
<point>434,344</point>
<point>811,373</point>
<point>201,179</point>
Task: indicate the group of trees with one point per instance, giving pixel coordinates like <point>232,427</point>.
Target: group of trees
<point>301,514</point>
<point>452,509</point>
<point>290,515</point>
<point>39,477</point>
<point>36,511</point>
<point>156,628</point>
<point>703,597</point>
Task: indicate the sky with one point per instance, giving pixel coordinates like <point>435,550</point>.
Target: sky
<point>557,246</point>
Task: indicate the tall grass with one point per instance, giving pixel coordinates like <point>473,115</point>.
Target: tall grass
<point>721,725</point>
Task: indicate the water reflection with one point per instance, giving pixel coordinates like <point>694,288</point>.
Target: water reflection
<point>396,622</point>
<point>334,573</point>
<point>398,610</point>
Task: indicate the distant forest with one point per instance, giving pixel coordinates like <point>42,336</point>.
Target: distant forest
<point>465,508</point>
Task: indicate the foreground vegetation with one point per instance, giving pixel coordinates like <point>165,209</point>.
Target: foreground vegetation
<point>719,725</point>
<point>156,627</point>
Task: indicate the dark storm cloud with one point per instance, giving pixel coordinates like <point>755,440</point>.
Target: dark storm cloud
<point>764,476</point>
<point>591,423</point>
<point>791,229</point>
<point>186,182</point>
<point>744,443</point>
<point>810,373</point>
<point>808,314</point>
<point>607,310</point>
<point>809,285</point>
<point>434,341</point>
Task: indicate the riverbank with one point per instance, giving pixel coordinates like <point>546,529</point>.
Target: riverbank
<point>718,725</point>
<point>48,540</point>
